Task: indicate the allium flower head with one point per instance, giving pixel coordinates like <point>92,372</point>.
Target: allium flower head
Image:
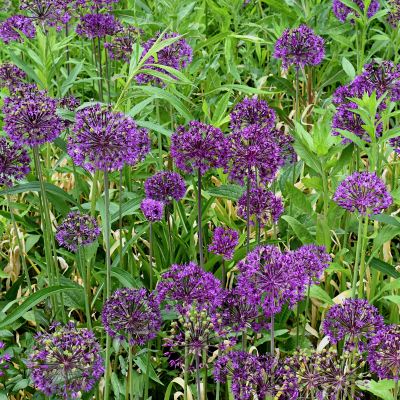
<point>4,359</point>
<point>224,243</point>
<point>300,47</point>
<point>254,153</point>
<point>10,27</point>
<point>199,146</point>
<point>384,353</point>
<point>43,12</point>
<point>342,11</point>
<point>270,277</point>
<point>187,284</point>
<point>164,186</point>
<point>14,162</point>
<point>265,207</point>
<point>76,230</point>
<point>31,116</point>
<point>252,112</point>
<point>132,315</point>
<point>177,55</point>
<point>353,320</point>
<point>66,362</point>
<point>364,192</point>
<point>11,75</point>
<point>123,42</point>
<point>255,376</point>
<point>153,210</point>
<point>97,4</point>
<point>103,138</point>
<point>394,13</point>
<point>98,25</point>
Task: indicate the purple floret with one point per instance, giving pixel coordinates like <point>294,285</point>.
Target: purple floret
<point>8,28</point>
<point>103,138</point>
<point>165,186</point>
<point>77,230</point>
<point>98,25</point>
<point>66,361</point>
<point>394,13</point>
<point>177,55</point>
<point>69,103</point>
<point>300,47</point>
<point>342,11</point>
<point>224,243</point>
<point>199,146</point>
<point>14,162</point>
<point>132,315</point>
<point>265,207</point>
<point>153,210</point>
<point>6,358</point>
<point>123,43</point>
<point>11,75</point>
<point>364,192</point>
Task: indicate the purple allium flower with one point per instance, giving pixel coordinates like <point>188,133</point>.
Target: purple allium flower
<point>199,146</point>
<point>364,192</point>
<point>395,143</point>
<point>98,25</point>
<point>384,353</point>
<point>96,4</point>
<point>394,13</point>
<point>165,186</point>
<point>238,314</point>
<point>224,243</point>
<point>265,207</point>
<point>11,75</point>
<point>14,162</point>
<point>254,152</point>
<point>132,315</point>
<point>31,116</point>
<point>123,42</point>
<point>103,138</point>
<point>5,358</point>
<point>187,284</point>
<point>252,112</point>
<point>342,11</point>
<point>8,28</point>
<point>196,330</point>
<point>153,210</point>
<point>270,277</point>
<point>177,55</point>
<point>300,48</point>
<point>69,103</point>
<point>352,320</point>
<point>254,376</point>
<point>76,230</point>
<point>66,361</point>
<point>43,12</point>
<point>285,144</point>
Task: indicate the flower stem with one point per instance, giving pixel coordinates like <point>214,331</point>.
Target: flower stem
<point>160,159</point>
<point>244,339</point>
<point>326,190</point>
<point>362,263</point>
<point>186,374</point>
<point>364,28</point>
<point>248,214</point>
<point>121,230</point>
<point>171,250</point>
<point>223,273</point>
<point>147,379</point>
<point>81,256</point>
<point>151,257</point>
<point>298,324</point>
<point>198,377</point>
<point>21,250</point>
<point>54,65</point>
<point>272,334</point>
<point>305,314</point>
<point>355,274</point>
<point>199,218</point>
<point>108,76</point>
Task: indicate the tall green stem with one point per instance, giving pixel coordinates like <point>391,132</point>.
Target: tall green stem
<point>362,263</point>
<point>54,65</point>
<point>147,378</point>
<point>248,214</point>
<point>305,320</point>
<point>198,377</point>
<point>355,274</point>
<point>171,249</point>
<point>272,334</point>
<point>223,273</point>
<point>100,70</point>
<point>186,374</point>
<point>121,229</point>
<point>326,190</point>
<point>160,159</point>
<point>199,218</point>
<point>364,28</point>
<point>81,255</point>
<point>151,257</point>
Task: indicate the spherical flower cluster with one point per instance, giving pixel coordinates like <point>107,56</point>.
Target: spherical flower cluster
<point>300,47</point>
<point>132,315</point>
<point>5,358</point>
<point>164,186</point>
<point>199,146</point>
<point>342,11</point>
<point>187,284</point>
<point>177,55</point>
<point>66,362</point>
<point>123,42</point>
<point>254,376</point>
<point>98,25</point>
<point>45,12</point>
<point>394,13</point>
<point>153,210</point>
<point>106,139</point>
<point>77,230</point>
<point>384,353</point>
<point>11,75</point>
<point>10,27</point>
<point>31,117</point>
<point>252,112</point>
<point>14,162</point>
<point>352,320</point>
<point>270,277</point>
<point>265,207</point>
<point>224,243</point>
<point>254,154</point>
<point>364,192</point>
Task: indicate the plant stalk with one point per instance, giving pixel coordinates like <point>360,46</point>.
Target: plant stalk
<point>199,218</point>
<point>355,274</point>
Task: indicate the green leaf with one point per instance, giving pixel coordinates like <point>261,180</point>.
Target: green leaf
<point>393,299</point>
<point>386,219</point>
<point>323,234</point>
<point>353,6</point>
<point>282,7</point>
<point>344,159</point>
<point>383,394</point>
<point>300,201</point>
<point>318,293</point>
<point>71,78</point>
<point>390,286</point>
<point>232,192</point>
<point>155,127</point>
<point>128,208</point>
<point>384,267</point>
<point>348,68</point>
<point>123,276</point>
<point>314,182</point>
<point>307,156</point>
<point>31,301</point>
<point>221,108</point>
<point>387,233</point>
<point>208,42</point>
<point>139,107</point>
<point>142,364</point>
<point>299,229</point>
<point>342,40</point>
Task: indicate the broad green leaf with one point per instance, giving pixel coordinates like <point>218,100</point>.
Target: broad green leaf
<point>299,229</point>
<point>232,192</point>
<point>384,267</point>
<point>221,108</point>
<point>386,219</point>
<point>71,78</point>
<point>314,182</point>
<point>344,159</point>
<point>383,394</point>
<point>123,276</point>
<point>128,208</point>
<point>155,127</point>
<point>348,68</point>
<point>139,107</point>
<point>282,7</point>
<point>318,293</point>
<point>387,233</point>
<point>390,286</point>
<point>142,364</point>
<point>208,42</point>
<point>394,299</point>
<point>323,234</point>
<point>307,156</point>
<point>300,201</point>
